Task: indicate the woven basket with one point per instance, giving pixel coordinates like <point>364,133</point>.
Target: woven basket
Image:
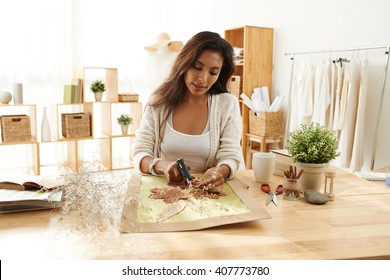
<point>266,124</point>
<point>235,85</point>
<point>76,125</point>
<point>128,97</point>
<point>15,128</point>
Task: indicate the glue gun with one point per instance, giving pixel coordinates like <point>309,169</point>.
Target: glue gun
<point>184,171</point>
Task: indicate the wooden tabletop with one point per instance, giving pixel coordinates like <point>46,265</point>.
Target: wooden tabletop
<point>354,226</point>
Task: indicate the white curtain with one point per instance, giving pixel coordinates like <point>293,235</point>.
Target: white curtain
<point>332,94</point>
<point>36,48</point>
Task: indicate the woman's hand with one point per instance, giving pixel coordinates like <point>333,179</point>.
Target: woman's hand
<point>171,171</point>
<point>214,179</point>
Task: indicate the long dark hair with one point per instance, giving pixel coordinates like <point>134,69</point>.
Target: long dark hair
<point>172,91</point>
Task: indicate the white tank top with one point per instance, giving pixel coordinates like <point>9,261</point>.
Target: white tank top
<point>194,149</point>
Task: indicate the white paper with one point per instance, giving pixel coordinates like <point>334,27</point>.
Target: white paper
<point>265,96</point>
<point>278,104</point>
<point>13,195</point>
<point>247,101</point>
<point>259,101</point>
<point>256,101</point>
<point>274,103</point>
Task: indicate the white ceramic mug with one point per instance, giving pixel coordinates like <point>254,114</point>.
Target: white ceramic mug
<point>263,165</point>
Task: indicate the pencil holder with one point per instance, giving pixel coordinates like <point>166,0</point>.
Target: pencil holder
<point>291,189</point>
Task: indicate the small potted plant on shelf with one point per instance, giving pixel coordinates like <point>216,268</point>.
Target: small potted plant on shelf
<point>98,87</point>
<point>124,121</point>
<point>312,147</point>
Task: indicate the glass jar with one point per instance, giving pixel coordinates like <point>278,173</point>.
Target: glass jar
<point>291,189</point>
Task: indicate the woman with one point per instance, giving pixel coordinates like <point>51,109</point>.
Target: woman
<point>191,116</point>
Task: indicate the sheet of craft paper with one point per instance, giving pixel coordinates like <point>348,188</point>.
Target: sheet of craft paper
<point>149,210</point>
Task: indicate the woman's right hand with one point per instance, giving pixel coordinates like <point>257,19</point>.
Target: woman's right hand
<point>172,173</point>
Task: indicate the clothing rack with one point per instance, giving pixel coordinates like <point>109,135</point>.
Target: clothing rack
<point>387,47</point>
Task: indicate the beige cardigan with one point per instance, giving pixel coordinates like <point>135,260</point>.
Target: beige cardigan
<point>225,133</point>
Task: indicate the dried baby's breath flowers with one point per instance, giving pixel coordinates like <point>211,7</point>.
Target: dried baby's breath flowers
<point>95,194</point>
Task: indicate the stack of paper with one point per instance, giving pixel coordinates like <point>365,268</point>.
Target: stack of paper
<point>28,192</point>
<point>16,201</point>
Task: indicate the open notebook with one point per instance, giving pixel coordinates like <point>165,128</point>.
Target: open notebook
<point>29,193</point>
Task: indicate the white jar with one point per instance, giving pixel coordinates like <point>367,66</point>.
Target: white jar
<point>18,93</point>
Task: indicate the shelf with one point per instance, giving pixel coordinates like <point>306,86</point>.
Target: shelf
<point>121,151</point>
<point>24,158</point>
<point>256,71</point>
<point>106,145</point>
<point>18,143</point>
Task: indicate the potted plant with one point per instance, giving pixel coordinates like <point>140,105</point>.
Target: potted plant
<point>312,147</point>
<point>98,87</point>
<point>124,121</point>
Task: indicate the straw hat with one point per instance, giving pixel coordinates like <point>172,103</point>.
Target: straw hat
<point>165,40</point>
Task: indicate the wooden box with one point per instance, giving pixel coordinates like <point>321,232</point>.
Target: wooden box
<point>76,125</point>
<point>15,128</point>
<point>234,85</point>
<point>266,124</point>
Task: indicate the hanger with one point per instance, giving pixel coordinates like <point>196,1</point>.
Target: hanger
<point>341,60</point>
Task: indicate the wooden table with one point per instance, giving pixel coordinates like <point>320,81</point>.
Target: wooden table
<point>354,226</point>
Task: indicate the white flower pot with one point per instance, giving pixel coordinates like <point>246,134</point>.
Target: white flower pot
<point>125,128</point>
<point>313,175</point>
<point>98,96</point>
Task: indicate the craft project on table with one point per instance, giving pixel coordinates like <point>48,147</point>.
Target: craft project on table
<point>141,213</point>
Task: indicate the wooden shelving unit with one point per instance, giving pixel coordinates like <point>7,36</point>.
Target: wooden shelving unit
<point>106,144</point>
<point>256,71</point>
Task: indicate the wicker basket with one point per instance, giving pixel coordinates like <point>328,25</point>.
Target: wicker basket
<point>266,124</point>
<point>235,85</point>
<point>15,128</point>
<point>76,125</point>
<point>128,97</point>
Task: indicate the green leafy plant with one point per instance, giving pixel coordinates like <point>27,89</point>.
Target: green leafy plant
<point>124,120</point>
<point>313,144</point>
<point>98,86</point>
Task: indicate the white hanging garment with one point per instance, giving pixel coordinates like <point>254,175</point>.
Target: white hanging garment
<point>349,120</point>
<point>321,93</point>
<point>343,97</point>
<point>358,143</point>
<point>333,89</point>
<point>296,79</point>
<point>305,96</point>
<point>301,95</point>
<point>339,87</point>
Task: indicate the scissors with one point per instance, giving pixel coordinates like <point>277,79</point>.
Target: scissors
<point>272,195</point>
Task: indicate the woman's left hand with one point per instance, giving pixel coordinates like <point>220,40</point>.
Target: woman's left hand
<point>214,179</point>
